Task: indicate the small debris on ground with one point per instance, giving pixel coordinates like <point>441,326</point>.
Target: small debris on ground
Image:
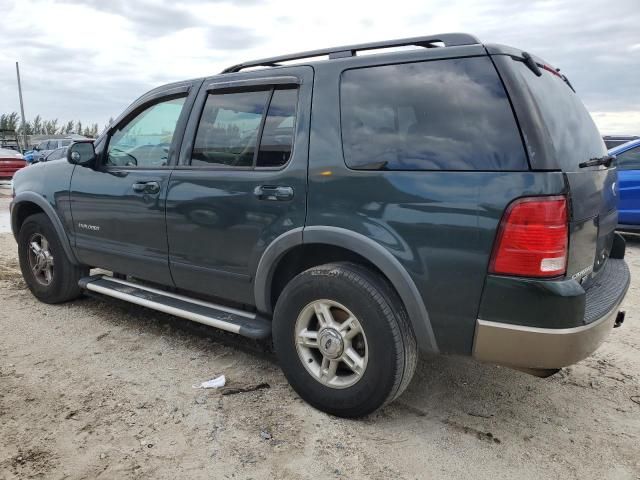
<point>213,383</point>
<point>251,388</point>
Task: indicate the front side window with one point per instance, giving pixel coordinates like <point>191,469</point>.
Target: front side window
<point>145,140</point>
<point>629,160</point>
<point>449,114</point>
<point>232,125</point>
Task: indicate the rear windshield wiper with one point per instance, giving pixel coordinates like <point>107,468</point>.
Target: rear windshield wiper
<point>594,162</point>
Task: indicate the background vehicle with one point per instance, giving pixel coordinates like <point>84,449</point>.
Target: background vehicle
<point>628,164</point>
<point>45,147</point>
<point>10,162</point>
<point>612,141</point>
<point>406,214</point>
<point>56,154</point>
<point>9,140</point>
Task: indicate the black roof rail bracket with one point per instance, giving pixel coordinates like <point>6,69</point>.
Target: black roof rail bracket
<point>342,54</point>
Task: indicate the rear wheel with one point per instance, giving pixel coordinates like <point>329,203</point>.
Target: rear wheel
<point>343,339</point>
<point>46,270</point>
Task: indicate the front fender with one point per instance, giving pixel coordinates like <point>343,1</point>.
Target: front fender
<point>22,200</point>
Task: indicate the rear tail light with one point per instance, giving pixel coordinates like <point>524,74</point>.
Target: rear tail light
<point>533,238</point>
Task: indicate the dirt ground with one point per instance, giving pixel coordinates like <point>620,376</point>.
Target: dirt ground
<point>92,389</point>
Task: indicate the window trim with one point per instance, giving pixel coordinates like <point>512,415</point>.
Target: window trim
<point>249,86</point>
<point>254,83</point>
<point>427,60</point>
<point>133,113</point>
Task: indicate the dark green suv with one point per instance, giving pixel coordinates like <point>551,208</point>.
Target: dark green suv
<point>454,197</point>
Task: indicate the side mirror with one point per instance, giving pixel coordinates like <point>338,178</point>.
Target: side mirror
<point>81,153</point>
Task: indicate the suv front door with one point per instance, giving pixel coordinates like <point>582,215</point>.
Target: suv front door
<point>241,180</point>
<point>118,206</point>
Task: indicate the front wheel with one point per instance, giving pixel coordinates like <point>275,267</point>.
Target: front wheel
<point>343,339</point>
<point>46,270</point>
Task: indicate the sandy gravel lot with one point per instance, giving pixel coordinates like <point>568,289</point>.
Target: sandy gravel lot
<point>92,389</point>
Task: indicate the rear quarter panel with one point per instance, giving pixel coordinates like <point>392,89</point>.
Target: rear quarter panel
<point>440,226</point>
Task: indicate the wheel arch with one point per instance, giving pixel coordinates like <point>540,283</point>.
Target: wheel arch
<point>26,204</point>
<point>359,246</point>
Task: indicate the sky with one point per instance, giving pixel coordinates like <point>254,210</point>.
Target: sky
<point>88,59</point>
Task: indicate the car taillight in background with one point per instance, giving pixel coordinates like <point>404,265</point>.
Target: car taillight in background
<point>533,238</point>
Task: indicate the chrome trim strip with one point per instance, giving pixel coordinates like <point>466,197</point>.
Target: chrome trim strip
<point>213,322</point>
<point>195,301</point>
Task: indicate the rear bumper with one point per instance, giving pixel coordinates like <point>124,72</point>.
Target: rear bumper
<point>541,348</point>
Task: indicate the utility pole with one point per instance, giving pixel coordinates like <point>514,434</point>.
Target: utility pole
<point>24,122</point>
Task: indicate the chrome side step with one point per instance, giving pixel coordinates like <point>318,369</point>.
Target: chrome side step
<point>218,316</point>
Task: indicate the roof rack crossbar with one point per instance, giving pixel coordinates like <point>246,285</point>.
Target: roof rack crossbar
<point>448,39</point>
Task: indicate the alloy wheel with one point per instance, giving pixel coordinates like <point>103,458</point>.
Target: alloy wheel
<point>331,343</point>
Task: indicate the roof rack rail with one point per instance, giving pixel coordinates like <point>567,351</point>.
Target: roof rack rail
<point>448,39</point>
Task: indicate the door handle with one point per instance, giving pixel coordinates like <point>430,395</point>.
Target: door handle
<point>146,187</point>
<point>273,192</point>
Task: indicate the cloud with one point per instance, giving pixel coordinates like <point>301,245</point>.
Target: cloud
<point>231,38</point>
<point>88,59</point>
<point>147,17</point>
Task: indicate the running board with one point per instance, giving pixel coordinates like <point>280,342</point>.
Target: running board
<point>225,318</point>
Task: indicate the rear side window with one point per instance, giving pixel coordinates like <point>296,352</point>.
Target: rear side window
<point>569,126</point>
<point>232,124</point>
<point>277,137</point>
<point>228,130</point>
<point>438,115</point>
<point>629,160</point>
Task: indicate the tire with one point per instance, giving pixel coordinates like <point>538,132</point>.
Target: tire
<point>61,284</point>
<point>386,349</point>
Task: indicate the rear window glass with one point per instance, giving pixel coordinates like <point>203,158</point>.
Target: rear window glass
<point>570,128</point>
<point>228,129</point>
<point>233,123</point>
<point>438,115</point>
<point>277,137</point>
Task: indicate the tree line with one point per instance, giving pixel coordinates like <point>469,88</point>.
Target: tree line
<point>40,126</point>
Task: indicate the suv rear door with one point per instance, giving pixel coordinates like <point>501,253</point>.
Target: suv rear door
<point>241,180</point>
<point>560,135</point>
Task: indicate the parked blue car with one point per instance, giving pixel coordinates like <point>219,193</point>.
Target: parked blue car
<point>628,163</point>
<point>28,156</point>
